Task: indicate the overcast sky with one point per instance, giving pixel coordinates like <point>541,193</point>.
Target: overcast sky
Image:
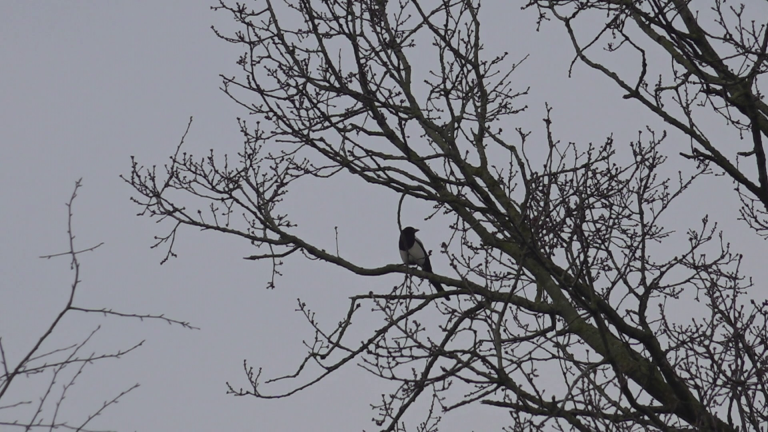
<point>86,85</point>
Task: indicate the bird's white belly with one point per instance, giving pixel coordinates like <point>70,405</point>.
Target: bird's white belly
<point>414,255</point>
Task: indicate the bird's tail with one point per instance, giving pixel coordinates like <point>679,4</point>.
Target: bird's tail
<point>439,288</point>
<point>427,267</point>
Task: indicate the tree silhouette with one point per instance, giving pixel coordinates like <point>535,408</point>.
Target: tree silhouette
<point>717,55</point>
<point>566,277</point>
<point>55,366</point>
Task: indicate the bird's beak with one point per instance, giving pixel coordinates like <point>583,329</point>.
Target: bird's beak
<point>415,230</point>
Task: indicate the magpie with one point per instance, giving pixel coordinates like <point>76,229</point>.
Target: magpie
<point>412,251</point>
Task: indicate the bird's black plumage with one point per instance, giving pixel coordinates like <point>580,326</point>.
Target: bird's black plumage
<point>413,252</point>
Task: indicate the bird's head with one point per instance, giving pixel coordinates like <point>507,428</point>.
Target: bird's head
<point>410,231</point>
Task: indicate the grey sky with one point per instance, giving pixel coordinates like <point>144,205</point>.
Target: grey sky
<point>86,85</point>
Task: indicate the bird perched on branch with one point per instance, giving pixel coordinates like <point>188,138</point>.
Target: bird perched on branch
<point>412,251</point>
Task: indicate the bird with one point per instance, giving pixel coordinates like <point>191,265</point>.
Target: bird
<point>412,252</point>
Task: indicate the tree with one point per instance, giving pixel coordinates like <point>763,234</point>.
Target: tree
<point>561,262</point>
<point>716,56</point>
<point>58,368</point>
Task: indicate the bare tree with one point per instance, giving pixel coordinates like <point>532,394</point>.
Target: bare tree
<point>563,269</point>
<point>59,367</point>
<point>716,59</point>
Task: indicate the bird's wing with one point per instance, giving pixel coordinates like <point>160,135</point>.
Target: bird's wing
<point>421,255</point>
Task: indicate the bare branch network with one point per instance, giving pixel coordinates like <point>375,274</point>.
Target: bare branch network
<point>717,57</point>
<point>59,367</point>
<point>567,278</point>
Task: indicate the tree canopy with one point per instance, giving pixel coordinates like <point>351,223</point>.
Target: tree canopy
<point>564,280</point>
